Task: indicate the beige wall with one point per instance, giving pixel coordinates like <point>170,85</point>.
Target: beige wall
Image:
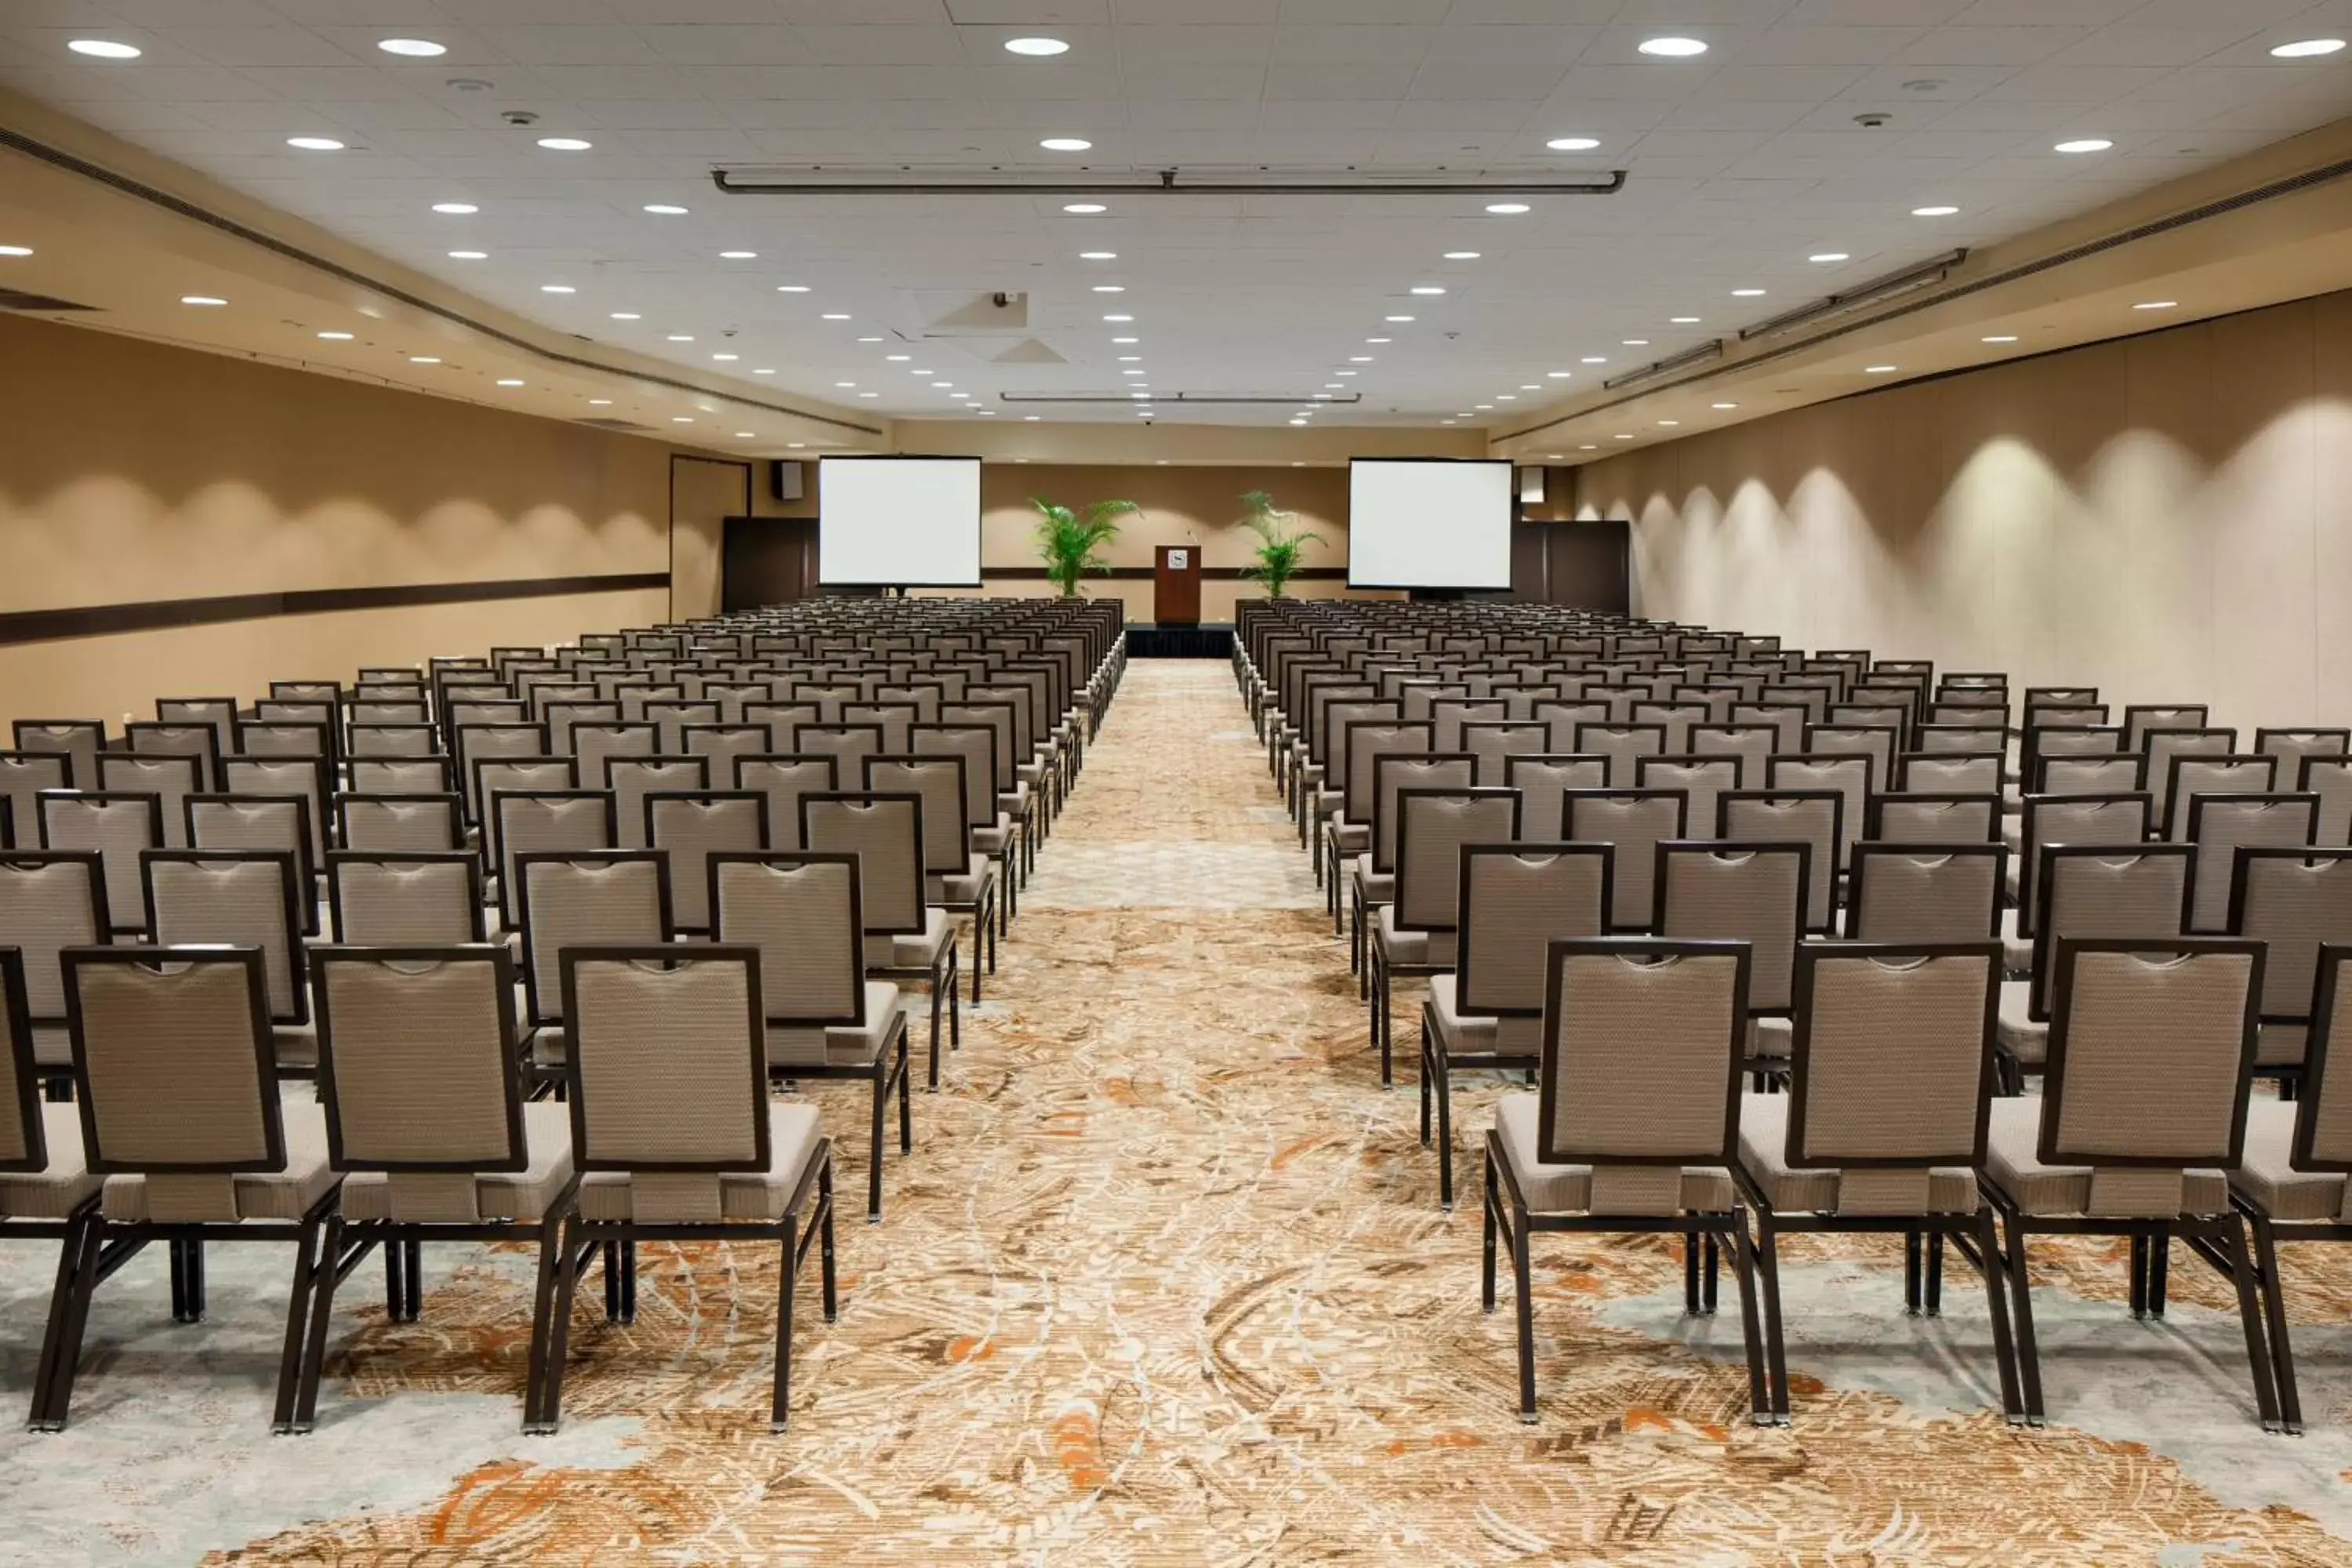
<point>132,472</point>
<point>2169,517</point>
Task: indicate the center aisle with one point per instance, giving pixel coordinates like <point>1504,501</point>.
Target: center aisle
<point>1165,1281</point>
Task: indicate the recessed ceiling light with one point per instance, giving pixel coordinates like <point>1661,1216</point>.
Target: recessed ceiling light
<point>1446,422</point>
<point>870,394</point>
<point>1748,294</point>
<point>922,373</point>
<point>665,209</point>
<point>201,299</point>
<point>1129,359</point>
<point>509,381</point>
<point>1098,256</point>
<point>557,288</point>
<point>1335,386</point>
<point>104,48</point>
<point>1593,359</point>
<point>469,256</point>
<point>1461,255</point>
<point>681,337</point>
<point>1359,359</point>
<point>2303,49</point>
<point>681,420</point>
<point>1933,212</point>
<point>1674,48</point>
<point>1085,208</point>
<point>1624,435</point>
<point>897,359</point>
<point>1878,370</point>
<point>1506,397</point>
<point>315,144</point>
<point>1682,320</point>
<point>2084,144</point>
<point>726,357</point>
<point>564,143</point>
<point>1669,424</point>
<point>600,403</point>
<point>765,370</point>
<point>1428,288</point>
<point>943,386</point>
<point>1119,317</point>
<point>424,359</point>
<point>335,337</point>
<point>1483,407</point>
<point>627,316</point>
<point>1110,287</point>
<point>836,316</point>
<point>1559,375</point>
<point>1346,373</point>
<point>1031,418</point>
<point>15,250</point>
<point>1065,144</point>
<point>844,384</point>
<point>1319,397</point>
<point>2158,305</point>
<point>796,445</point>
<point>985,413</point>
<point>739,255</point>
<point>1508,209</point>
<point>1126,339</point>
<point>1572,143</point>
<point>1588,446</point>
<point>1380,340</point>
<point>414,49</point>
<point>1636,343</point>
<point>1723,406</point>
<point>792,287</point>
<point>2003,338</point>
<point>1037,48</point>
<point>746,436</point>
<point>1529,386</point>
<point>456,209</point>
<point>1828,255</point>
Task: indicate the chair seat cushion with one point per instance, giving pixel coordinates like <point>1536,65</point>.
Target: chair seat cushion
<point>996,838</point>
<point>1372,887</point>
<point>2280,1045</point>
<point>1409,949</point>
<point>2266,1173</point>
<point>65,1185</point>
<point>297,1045</point>
<point>1568,1189</point>
<point>793,1142</point>
<point>1771,1039</point>
<point>1480,1034</point>
<point>841,1045</point>
<point>2014,1027</point>
<point>287,1194</point>
<point>912,950</point>
<point>1351,837</point>
<point>519,1196</point>
<point>1764,1151</point>
<point>960,891</point>
<point>2013,1166</point>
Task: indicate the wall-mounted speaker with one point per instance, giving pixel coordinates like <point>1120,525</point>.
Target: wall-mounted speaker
<point>785,479</point>
<point>1531,486</point>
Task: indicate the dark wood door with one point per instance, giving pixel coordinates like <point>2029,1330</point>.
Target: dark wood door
<point>767,561</point>
<point>1588,564</point>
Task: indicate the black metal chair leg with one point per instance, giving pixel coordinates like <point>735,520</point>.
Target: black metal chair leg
<point>1911,1273</point>
<point>1486,1236</point>
<point>2029,1352</point>
<point>1768,1276</point>
<point>611,1260</point>
<point>1743,1261</point>
<point>825,1238</point>
<point>79,1287</point>
<point>1935,1274</point>
<point>881,1114</point>
<point>1444,1090</point>
<point>2249,1313</point>
<point>571,1256</point>
<point>906,1106</point>
<point>322,1307</point>
<point>777,1410</point>
<point>396,1292</point>
<point>1711,1261</point>
<point>2273,1294</point>
<point>2160,1264</point>
<point>298,1325</point>
<point>1997,1304</point>
<point>542,1302</point>
<point>412,1281</point>
<point>2139,1276</point>
<point>1690,1274</point>
<point>1523,1289</point>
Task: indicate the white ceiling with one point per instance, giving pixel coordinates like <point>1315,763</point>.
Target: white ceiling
<point>1740,165</point>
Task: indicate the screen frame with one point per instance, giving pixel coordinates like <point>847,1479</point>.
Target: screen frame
<point>980,510</point>
<point>1510,489</point>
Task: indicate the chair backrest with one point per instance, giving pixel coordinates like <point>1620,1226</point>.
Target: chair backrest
<point>405,898</point>
<point>939,781</point>
<point>885,832</point>
<point>2297,901</point>
<point>1850,776</point>
<point>1952,773</point>
<point>282,738</point>
<point>175,1072</point>
<point>668,1071</point>
<point>1364,742</point>
<point>2162,746</point>
<point>2113,774</point>
<point>119,828</point>
<point>2292,746</point>
<point>1678,718</point>
<point>1494,744</point>
<point>205,742</point>
<point>2112,821</point>
<point>388,730</point>
<point>544,822</point>
<point>2195,775</point>
<point>595,747</point>
<point>1751,744</point>
<point>2323,1119</point>
<point>380,823</point>
<point>1701,779</point>
<point>1634,822</point>
<point>1933,819</point>
<point>2092,891</point>
<point>1624,745</point>
<point>1394,771</point>
<point>848,744</point>
<point>51,900</point>
<point>79,740</point>
<point>1433,826</point>
<point>1563,719</point>
<point>1640,1072</point>
<point>2330,778</point>
<point>1814,817</point>
<point>689,827</point>
<point>782,778</point>
<point>305,776</point>
<point>1875,744</point>
<point>615,897</point>
<point>722,743</point>
<point>1892,1065</point>
<point>2151,1056</point>
<point>671,718</point>
<point>242,897</point>
<point>403,775</point>
<point>23,776</point>
<point>2219,825</point>
<point>801,913</point>
<point>171,777</point>
<point>1541,780</point>
<point>24,1146</point>
<point>1925,892</point>
<point>1516,899</point>
<point>634,778</point>
<point>419,1071</point>
<point>477,744</point>
<point>975,746</point>
<point>2142,717</point>
<point>280,823</point>
<point>1450,715</point>
<point>1751,892</point>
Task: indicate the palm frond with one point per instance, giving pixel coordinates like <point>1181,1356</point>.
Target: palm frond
<point>1071,544</point>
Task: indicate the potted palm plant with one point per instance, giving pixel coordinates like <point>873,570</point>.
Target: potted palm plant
<point>1280,540</point>
<point>1072,541</point>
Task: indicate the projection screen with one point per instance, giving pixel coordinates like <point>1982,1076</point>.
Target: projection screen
<point>1429,522</point>
<point>898,521</point>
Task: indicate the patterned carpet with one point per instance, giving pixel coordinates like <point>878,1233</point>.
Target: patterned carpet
<point>1165,1281</point>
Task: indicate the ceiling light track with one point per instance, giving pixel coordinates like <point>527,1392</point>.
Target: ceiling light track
<point>1296,400</point>
<point>767,181</point>
<point>57,158</point>
<point>1705,353</point>
<point>1860,296</point>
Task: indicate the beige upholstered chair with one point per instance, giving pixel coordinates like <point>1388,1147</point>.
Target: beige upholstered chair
<point>782,778</point>
<point>825,1019</point>
<point>2296,902</point>
<point>594,897</point>
<point>2143,1113</point>
<point>47,1191</point>
<point>1415,936</point>
<point>2139,719</point>
<point>1517,898</point>
<point>995,834</point>
<point>78,741</point>
<point>1751,744</point>
<point>542,821</point>
<point>2219,825</point>
<point>2330,778</point>
<point>954,878</point>
<point>907,939</point>
<point>307,777</point>
<point>674,1134</point>
<point>1814,817</point>
<point>1494,744</point>
<point>2194,776</point>
<point>279,824</point>
<point>1702,780</point>
<point>1884,1128</point>
<point>1962,773</point>
<point>480,743</point>
<point>1753,893</point>
<point>847,744</point>
<point>1635,821</point>
<point>404,897</point>
<point>1919,818</point>
<point>427,1121</point>
<point>690,827</point>
<point>204,742</point>
<point>175,1077</point>
<point>1371,876</point>
<point>1542,781</point>
<point>170,777</point>
<point>1624,745</point>
<point>634,778</point>
<point>1912,893</point>
<point>2089,891</point>
<point>50,900</point>
<point>400,824</point>
<point>1362,743</point>
<point>2162,746</point>
<point>23,776</point>
<point>245,898</point>
<point>2113,820</point>
<point>1635,1122</point>
<point>1849,776</point>
<point>424,776</point>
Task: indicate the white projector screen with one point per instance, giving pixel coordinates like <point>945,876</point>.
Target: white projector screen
<point>898,521</point>
<point>1429,522</point>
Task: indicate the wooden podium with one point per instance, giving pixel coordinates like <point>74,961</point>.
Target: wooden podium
<point>1176,585</point>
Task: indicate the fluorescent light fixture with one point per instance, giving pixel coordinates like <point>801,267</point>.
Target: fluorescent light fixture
<point>1879,369</point>
<point>314,143</point>
<point>424,359</point>
<point>1400,317</point>
<point>1483,407</point>
<point>1119,317</point>
<point>1129,359</point>
<point>1135,372</point>
<point>1682,320</point>
<point>1572,143</point>
<point>1934,211</point>
<point>1428,288</point>
<point>1085,208</point>
<point>836,316</point>
<point>1829,256</point>
<point>201,299</point>
<point>1559,375</point>
<point>1359,359</point>
<point>509,381</point>
<point>557,288</point>
<point>724,358</point>
<point>1098,256</point>
<point>15,250</point>
<point>1126,339</point>
<point>1110,287</point>
<point>942,385</point>
<point>870,394</point>
<point>739,255</point>
<point>2003,338</point>
<point>627,316</point>
<point>681,337</point>
<point>565,143</point>
<point>746,436</point>
<point>765,370</point>
<point>1508,209</point>
<point>1036,48</point>
<point>1380,340</point>
<point>1748,294</point>
<point>104,49</point>
<point>1593,359</point>
<point>335,337</point>
<point>1674,48</point>
<point>1066,144</point>
<point>1624,435</point>
<point>600,403</point>
<point>1461,255</point>
<point>1345,373</point>
<point>469,256</point>
<point>2158,305</point>
<point>897,359</point>
<point>1668,424</point>
<point>2303,49</point>
<point>457,209</point>
<point>665,209</point>
<point>844,384</point>
<point>414,48</point>
<point>1723,406</point>
<point>1529,386</point>
<point>1636,343</point>
<point>681,420</point>
<point>2084,144</point>
<point>792,287</point>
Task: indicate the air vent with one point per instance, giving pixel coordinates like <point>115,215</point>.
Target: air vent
<point>14,300</point>
<point>606,424</point>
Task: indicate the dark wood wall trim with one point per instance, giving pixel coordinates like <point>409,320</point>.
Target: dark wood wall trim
<point>163,614</point>
<point>1144,574</point>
